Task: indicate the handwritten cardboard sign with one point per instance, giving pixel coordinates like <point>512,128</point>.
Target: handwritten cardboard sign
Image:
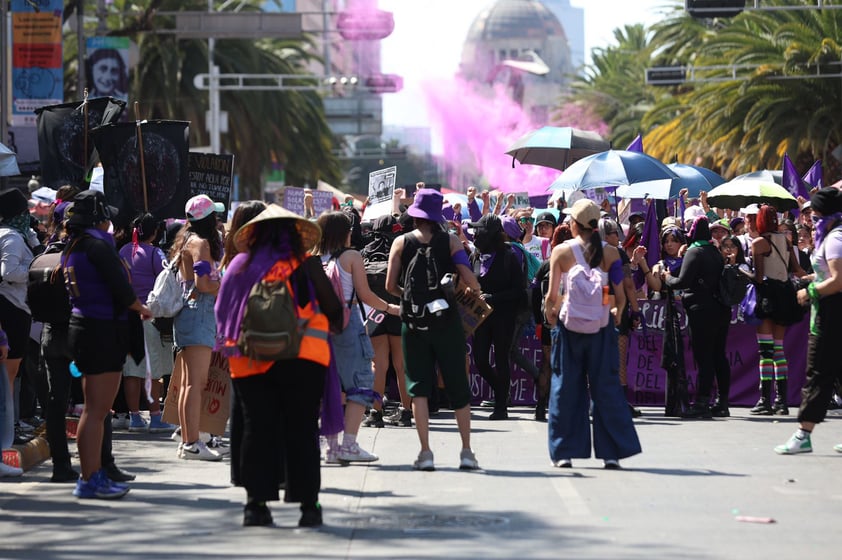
<point>472,309</point>
<point>213,175</point>
<point>216,397</point>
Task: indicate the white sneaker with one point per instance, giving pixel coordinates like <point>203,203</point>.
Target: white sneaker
<point>198,451</point>
<point>176,435</point>
<point>563,463</point>
<point>468,461</point>
<point>180,452</point>
<point>9,470</point>
<point>611,464</point>
<point>795,445</point>
<point>356,453</point>
<point>424,462</point>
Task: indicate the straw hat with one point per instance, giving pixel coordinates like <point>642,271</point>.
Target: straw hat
<point>310,232</point>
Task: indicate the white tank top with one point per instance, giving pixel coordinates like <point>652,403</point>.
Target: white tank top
<point>774,265</point>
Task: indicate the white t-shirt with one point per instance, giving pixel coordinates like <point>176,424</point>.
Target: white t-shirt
<point>535,246</point>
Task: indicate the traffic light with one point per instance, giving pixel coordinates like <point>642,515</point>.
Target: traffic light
<point>714,8</point>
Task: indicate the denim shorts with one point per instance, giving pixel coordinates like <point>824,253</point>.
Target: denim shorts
<point>353,354</point>
<point>195,324</point>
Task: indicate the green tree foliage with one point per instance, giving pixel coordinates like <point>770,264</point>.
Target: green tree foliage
<point>778,107</point>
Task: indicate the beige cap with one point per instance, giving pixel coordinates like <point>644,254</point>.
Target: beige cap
<point>585,212</point>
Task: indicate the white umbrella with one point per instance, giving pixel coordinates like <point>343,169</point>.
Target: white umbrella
<point>8,162</point>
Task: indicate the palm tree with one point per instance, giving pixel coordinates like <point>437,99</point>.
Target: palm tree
<point>738,126</point>
<point>285,127</point>
<point>613,86</point>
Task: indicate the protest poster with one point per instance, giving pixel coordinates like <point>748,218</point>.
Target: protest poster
<point>211,174</point>
<point>381,189</point>
<point>163,163</point>
<point>292,198</point>
<point>216,397</point>
<point>472,309</point>
<point>521,199</point>
<point>381,185</point>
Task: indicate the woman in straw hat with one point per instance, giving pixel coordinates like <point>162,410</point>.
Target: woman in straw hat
<point>280,399</point>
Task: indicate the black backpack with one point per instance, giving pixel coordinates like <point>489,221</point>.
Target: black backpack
<point>424,265</point>
<point>46,294</point>
<point>733,284</point>
<point>272,329</point>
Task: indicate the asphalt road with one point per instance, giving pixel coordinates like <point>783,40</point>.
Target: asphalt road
<point>683,497</point>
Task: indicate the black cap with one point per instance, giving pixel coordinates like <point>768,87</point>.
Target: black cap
<point>489,222</point>
<point>546,217</point>
<point>827,200</point>
<point>12,203</point>
<point>89,208</point>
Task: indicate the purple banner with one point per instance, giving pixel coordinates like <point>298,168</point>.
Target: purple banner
<point>646,379</point>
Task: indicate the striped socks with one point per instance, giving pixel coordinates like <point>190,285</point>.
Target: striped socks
<point>781,365</point>
<point>767,352</point>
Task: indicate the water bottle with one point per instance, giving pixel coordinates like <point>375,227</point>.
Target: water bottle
<point>74,371</point>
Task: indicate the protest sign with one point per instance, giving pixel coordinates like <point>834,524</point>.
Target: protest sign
<point>216,397</point>
<point>472,309</point>
<point>211,174</point>
<point>381,189</point>
<point>292,198</point>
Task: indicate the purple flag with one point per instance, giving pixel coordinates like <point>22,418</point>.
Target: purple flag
<point>792,180</point>
<point>636,145</point>
<point>814,176</point>
<point>651,239</point>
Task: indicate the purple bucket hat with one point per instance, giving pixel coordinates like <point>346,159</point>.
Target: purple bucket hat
<point>427,205</point>
<point>511,228</point>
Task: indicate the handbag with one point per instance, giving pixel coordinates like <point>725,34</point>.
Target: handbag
<point>777,300</point>
<point>748,306</point>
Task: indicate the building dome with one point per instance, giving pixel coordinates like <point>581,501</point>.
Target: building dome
<point>515,19</point>
<point>523,31</point>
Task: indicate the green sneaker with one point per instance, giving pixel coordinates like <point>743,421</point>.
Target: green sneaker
<point>795,445</point>
<point>838,447</point>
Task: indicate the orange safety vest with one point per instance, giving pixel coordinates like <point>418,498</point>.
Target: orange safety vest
<point>314,344</point>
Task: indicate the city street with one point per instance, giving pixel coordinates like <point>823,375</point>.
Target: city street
<point>685,496</point>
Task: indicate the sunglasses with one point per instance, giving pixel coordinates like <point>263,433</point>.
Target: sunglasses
<point>527,220</point>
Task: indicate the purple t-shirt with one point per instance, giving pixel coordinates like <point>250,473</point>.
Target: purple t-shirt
<point>144,266</point>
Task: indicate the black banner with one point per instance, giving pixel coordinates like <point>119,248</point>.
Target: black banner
<point>165,163</point>
<point>213,175</point>
<point>61,139</point>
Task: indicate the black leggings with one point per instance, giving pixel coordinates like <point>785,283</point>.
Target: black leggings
<point>498,330</point>
<point>708,335</point>
<point>824,368</point>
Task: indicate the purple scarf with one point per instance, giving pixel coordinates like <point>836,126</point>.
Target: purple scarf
<point>234,290</point>
<point>822,226</point>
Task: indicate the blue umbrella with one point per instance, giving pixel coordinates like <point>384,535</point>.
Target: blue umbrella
<point>635,174</point>
<point>556,146</point>
<point>694,179</point>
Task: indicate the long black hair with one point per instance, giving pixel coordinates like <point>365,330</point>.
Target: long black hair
<point>204,228</point>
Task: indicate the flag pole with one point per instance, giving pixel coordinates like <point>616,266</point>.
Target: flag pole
<point>140,153</point>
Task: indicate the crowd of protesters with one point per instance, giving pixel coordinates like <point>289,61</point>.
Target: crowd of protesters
<point>566,278</point>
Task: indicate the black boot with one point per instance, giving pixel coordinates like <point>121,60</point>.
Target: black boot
<point>700,409</point>
<point>311,516</point>
<point>780,408</point>
<point>256,514</point>
<point>541,410</point>
<point>763,406</point>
